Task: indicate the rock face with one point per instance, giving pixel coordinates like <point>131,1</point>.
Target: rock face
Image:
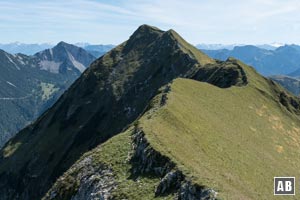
<point>91,183</point>
<point>146,160</point>
<point>65,59</point>
<point>290,83</point>
<point>223,75</point>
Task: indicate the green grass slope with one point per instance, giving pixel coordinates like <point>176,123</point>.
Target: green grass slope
<point>234,140</point>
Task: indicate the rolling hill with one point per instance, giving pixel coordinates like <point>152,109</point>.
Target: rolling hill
<point>156,118</point>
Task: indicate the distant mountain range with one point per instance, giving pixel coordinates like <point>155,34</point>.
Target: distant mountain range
<point>31,84</point>
<point>98,50</point>
<point>268,59</point>
<point>284,60</point>
<point>27,49</point>
<point>271,46</point>
<point>31,49</point>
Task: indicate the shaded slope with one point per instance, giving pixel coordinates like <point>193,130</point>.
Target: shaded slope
<point>112,93</point>
<point>290,83</point>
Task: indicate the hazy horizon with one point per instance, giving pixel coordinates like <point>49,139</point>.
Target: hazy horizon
<point>275,44</point>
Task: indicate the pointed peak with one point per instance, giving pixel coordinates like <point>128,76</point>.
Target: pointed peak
<point>173,34</point>
<point>147,28</point>
<point>231,59</point>
<point>171,31</point>
<point>63,44</point>
<point>66,46</point>
<point>146,31</point>
<point>144,35</point>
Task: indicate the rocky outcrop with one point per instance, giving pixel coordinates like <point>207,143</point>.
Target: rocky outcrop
<point>189,191</point>
<point>289,83</point>
<point>224,74</point>
<point>169,183</point>
<point>290,102</point>
<point>90,183</point>
<point>146,161</point>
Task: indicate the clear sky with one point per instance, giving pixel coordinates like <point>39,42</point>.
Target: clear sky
<point>111,22</point>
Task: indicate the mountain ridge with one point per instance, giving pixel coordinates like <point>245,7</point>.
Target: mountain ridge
<point>114,93</point>
<point>129,86</point>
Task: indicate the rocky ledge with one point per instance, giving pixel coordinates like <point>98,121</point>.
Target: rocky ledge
<point>146,161</point>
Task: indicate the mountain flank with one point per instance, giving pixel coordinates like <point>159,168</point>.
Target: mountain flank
<point>292,84</point>
<point>31,84</point>
<point>156,118</point>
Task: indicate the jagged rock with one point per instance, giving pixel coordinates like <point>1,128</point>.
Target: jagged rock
<point>188,191</point>
<point>292,84</point>
<point>169,183</point>
<point>224,74</point>
<point>91,183</point>
<point>146,160</point>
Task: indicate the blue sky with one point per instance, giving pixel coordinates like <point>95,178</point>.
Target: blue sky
<point>111,22</point>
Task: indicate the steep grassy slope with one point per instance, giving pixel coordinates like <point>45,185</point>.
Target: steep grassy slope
<point>234,140</point>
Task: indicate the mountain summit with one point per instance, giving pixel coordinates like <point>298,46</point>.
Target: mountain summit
<point>65,58</point>
<point>130,109</point>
